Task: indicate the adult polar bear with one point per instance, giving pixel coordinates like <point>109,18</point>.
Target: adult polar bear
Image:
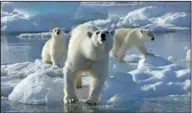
<point>124,38</point>
<point>55,47</point>
<point>88,50</point>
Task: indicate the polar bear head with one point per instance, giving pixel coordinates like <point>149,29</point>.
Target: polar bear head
<point>147,35</point>
<point>100,38</point>
<point>58,32</point>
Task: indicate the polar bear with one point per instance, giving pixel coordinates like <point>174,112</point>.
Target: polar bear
<point>125,38</point>
<point>55,47</point>
<point>88,50</point>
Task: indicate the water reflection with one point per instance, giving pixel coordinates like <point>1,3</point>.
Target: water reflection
<point>14,50</point>
<point>161,104</point>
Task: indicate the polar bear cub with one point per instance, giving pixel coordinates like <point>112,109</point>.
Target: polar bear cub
<point>88,50</point>
<point>125,38</point>
<point>55,47</point>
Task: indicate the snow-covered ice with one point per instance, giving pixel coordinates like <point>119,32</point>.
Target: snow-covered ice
<point>150,17</point>
<point>43,35</point>
<point>38,88</point>
<point>24,69</point>
<point>21,16</point>
<point>154,76</point>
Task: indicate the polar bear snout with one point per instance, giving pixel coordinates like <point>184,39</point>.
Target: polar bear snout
<point>153,38</point>
<point>58,32</point>
<point>103,37</point>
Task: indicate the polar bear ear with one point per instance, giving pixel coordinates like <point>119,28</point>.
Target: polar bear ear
<point>112,31</point>
<point>89,34</point>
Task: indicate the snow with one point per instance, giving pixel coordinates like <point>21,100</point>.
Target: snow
<point>153,76</point>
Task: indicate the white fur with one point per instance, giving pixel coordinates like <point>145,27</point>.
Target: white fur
<point>55,47</point>
<point>86,54</point>
<point>125,38</point>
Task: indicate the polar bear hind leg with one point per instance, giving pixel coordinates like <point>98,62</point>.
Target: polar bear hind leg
<point>46,59</point>
<point>122,52</point>
<point>54,59</point>
<point>143,50</point>
<point>78,80</point>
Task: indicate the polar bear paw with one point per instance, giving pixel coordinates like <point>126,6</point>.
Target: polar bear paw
<point>70,100</point>
<point>122,61</point>
<point>79,86</point>
<point>91,102</point>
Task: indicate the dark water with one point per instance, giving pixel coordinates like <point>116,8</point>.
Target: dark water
<point>163,104</point>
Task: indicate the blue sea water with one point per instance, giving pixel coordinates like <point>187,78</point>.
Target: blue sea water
<point>15,50</point>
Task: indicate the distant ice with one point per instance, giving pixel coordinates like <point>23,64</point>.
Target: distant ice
<point>88,12</point>
<point>188,55</point>
<point>21,16</point>
<point>153,76</point>
<point>43,35</point>
<point>148,17</point>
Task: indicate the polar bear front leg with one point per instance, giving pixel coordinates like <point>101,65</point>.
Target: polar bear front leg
<point>69,88</point>
<point>96,85</point>
<point>95,89</point>
<point>79,80</point>
<point>143,50</point>
<point>54,58</point>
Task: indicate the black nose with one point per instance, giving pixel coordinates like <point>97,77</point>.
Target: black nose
<point>153,38</point>
<point>103,37</point>
<point>58,32</point>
